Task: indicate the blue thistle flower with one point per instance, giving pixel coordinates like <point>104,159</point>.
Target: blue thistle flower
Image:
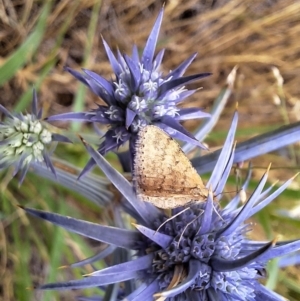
<point>138,96</point>
<point>201,254</point>
<point>24,139</point>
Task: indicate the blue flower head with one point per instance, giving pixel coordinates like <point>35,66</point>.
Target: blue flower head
<point>25,139</point>
<point>201,253</point>
<point>138,96</point>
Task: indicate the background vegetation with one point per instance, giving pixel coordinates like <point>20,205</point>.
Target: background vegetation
<point>39,38</point>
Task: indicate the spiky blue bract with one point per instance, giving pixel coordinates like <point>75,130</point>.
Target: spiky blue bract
<point>139,95</point>
<point>254,147</point>
<point>24,139</point>
<point>92,187</point>
<point>202,254</point>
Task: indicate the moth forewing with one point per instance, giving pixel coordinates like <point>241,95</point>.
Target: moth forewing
<point>163,175</point>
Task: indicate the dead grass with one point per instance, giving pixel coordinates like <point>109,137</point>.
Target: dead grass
<point>255,35</point>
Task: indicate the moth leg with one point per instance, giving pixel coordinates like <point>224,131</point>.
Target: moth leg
<point>172,217</point>
<point>238,177</point>
<point>188,225</point>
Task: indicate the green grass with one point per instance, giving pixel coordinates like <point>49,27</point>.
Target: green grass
<point>27,50</point>
<point>27,242</point>
<point>79,99</point>
<point>32,241</point>
<point>49,62</point>
<point>31,251</point>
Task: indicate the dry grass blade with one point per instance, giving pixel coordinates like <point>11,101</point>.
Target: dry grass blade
<point>255,35</point>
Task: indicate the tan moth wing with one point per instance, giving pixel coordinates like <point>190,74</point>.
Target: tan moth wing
<point>163,175</point>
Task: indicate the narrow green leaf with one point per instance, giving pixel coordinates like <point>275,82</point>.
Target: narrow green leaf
<point>27,49</point>
<point>273,271</point>
<point>79,99</point>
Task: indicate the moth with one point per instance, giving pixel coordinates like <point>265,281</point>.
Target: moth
<point>163,175</point>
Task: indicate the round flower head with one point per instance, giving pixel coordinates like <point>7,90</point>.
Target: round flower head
<point>24,139</point>
<point>138,96</point>
<point>202,252</point>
